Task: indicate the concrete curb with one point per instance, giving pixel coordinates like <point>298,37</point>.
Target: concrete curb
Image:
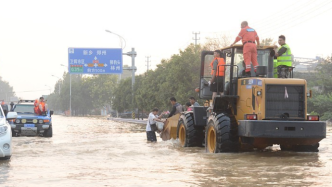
<point>125,120</point>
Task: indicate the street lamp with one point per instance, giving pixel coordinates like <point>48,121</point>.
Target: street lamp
<point>132,54</point>
<point>59,82</point>
<point>49,87</point>
<point>121,38</point>
<point>69,89</point>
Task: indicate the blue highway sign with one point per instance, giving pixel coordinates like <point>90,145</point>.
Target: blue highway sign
<point>95,60</point>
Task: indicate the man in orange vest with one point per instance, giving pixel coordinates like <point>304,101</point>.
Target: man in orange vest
<point>42,105</point>
<point>248,36</point>
<point>218,73</point>
<point>36,108</point>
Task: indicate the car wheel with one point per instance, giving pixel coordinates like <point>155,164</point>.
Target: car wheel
<point>5,158</point>
<point>48,132</point>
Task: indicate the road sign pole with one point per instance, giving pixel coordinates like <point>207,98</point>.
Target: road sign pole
<point>69,94</point>
<point>133,78</point>
<point>132,54</point>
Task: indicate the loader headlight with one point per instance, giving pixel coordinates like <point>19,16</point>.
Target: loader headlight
<point>24,120</point>
<point>259,93</point>
<point>41,121</point>
<point>34,120</point>
<point>18,121</point>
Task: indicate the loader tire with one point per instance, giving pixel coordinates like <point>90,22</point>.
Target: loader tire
<point>221,134</point>
<point>188,134</point>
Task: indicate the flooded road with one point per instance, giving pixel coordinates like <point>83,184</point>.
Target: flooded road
<point>98,152</point>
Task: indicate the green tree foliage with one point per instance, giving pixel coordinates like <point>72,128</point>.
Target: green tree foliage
<point>322,100</point>
<point>122,99</point>
<point>321,85</point>
<point>87,93</point>
<point>176,77</point>
<point>6,91</point>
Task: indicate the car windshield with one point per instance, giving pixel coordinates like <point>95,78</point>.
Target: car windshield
<point>24,108</point>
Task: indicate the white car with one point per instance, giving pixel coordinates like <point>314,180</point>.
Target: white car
<point>6,135</point>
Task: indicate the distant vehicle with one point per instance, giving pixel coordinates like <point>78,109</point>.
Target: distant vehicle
<point>6,135</point>
<point>28,123</point>
<point>126,115</point>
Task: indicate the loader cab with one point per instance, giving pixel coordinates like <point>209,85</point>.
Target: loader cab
<point>234,69</point>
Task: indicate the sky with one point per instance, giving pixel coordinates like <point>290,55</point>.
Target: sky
<point>35,35</point>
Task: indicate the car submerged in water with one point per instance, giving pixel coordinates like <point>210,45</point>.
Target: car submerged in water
<point>28,123</point>
<point>6,134</point>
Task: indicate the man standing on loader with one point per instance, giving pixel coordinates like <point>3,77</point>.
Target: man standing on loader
<point>218,73</point>
<point>284,57</point>
<point>248,36</point>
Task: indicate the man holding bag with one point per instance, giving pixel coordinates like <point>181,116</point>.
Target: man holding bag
<point>151,125</point>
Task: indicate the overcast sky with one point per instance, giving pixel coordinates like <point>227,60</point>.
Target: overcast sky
<point>35,35</point>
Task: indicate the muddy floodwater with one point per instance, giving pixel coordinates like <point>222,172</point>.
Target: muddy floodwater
<point>86,151</point>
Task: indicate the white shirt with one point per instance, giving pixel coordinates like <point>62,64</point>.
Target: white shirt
<point>150,121</point>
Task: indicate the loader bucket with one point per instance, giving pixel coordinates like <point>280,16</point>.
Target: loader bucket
<point>170,128</point>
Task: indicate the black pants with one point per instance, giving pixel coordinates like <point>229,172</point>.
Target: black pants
<point>217,85</point>
<point>151,136</point>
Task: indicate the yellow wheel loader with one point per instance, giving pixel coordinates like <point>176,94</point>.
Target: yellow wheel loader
<point>254,112</point>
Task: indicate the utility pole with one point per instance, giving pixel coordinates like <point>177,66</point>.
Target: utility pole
<point>133,68</point>
<point>147,62</point>
<point>196,33</point>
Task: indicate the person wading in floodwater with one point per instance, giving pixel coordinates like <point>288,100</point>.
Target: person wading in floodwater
<point>152,119</point>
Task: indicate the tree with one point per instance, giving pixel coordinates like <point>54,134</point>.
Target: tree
<point>88,93</point>
<point>217,42</point>
<point>176,77</point>
<point>267,42</point>
<point>6,91</point>
<point>122,99</point>
<point>321,103</point>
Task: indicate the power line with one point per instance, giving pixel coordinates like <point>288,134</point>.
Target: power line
<point>277,17</point>
<point>290,22</point>
<point>276,31</point>
<point>195,33</point>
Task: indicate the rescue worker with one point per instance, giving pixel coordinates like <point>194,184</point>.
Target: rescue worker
<point>283,55</point>
<point>42,108</point>
<point>177,107</point>
<point>36,108</point>
<point>218,73</point>
<point>248,36</point>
